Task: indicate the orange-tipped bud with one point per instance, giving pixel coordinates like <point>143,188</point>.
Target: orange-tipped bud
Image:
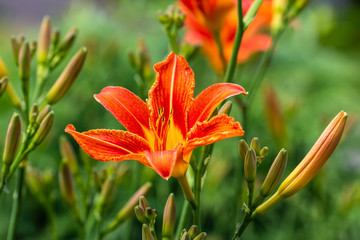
<point>3,85</point>
<point>12,139</point>
<point>67,77</point>
<point>44,40</point>
<point>146,233</point>
<point>243,148</point>
<point>67,152</point>
<point>310,165</point>
<point>250,165</point>
<point>226,108</point>
<point>169,217</point>
<point>66,182</point>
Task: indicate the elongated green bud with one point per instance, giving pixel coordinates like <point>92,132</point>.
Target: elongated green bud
<point>250,165</point>
<point>255,144</point>
<point>55,37</point>
<point>146,233</point>
<point>43,129</point>
<point>67,152</point>
<point>185,236</point>
<point>3,85</point>
<point>275,173</point>
<point>66,182</point>
<point>24,68</point>
<point>201,236</point>
<point>12,139</point>
<point>169,217</point>
<point>128,209</point>
<point>34,111</point>
<point>44,40</point>
<point>33,47</point>
<point>193,231</point>
<point>43,113</point>
<point>243,148</point>
<point>140,215</point>
<point>108,191</point>
<point>226,108</point>
<point>63,47</point>
<point>15,49</point>
<point>67,77</point>
<point>264,151</point>
<point>143,203</point>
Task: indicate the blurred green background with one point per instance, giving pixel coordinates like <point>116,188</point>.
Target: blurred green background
<point>315,73</point>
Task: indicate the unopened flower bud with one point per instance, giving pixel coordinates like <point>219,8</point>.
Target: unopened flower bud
<point>108,191</point>
<point>66,182</point>
<point>143,203</point>
<point>250,165</point>
<point>264,151</point>
<point>226,108</point>
<point>43,113</point>
<point>67,152</point>
<point>12,139</point>
<point>193,231</point>
<point>63,47</point>
<point>201,236</point>
<point>44,40</point>
<point>24,68</point>
<point>34,111</point>
<point>150,213</point>
<point>185,236</point>
<point>33,47</point>
<point>255,144</point>
<point>128,209</point>
<point>243,148</point>
<point>34,180</point>
<point>310,165</point>
<point>44,128</point>
<point>140,215</point>
<point>169,217</point>
<point>3,85</point>
<point>146,233</point>
<point>15,49</point>
<point>67,77</point>
<point>55,37</point>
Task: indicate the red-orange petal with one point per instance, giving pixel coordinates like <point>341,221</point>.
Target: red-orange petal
<point>206,102</point>
<point>111,145</point>
<point>128,109</point>
<point>163,162</point>
<point>172,91</point>
<point>217,128</point>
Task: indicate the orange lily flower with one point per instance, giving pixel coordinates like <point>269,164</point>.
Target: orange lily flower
<point>163,131</point>
<point>199,33</point>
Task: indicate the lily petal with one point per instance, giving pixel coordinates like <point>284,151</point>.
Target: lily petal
<point>172,91</point>
<point>127,108</point>
<point>111,145</point>
<point>219,127</point>
<point>163,162</point>
<point>206,102</point>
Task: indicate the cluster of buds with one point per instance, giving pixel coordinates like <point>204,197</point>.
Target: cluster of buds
<point>147,216</point>
<point>172,19</point>
<point>304,172</point>
<point>192,234</point>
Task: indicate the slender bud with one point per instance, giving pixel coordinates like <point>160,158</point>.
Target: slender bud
<point>55,37</point>
<point>12,139</point>
<point>226,108</point>
<point>193,231</point>
<point>255,144</point>
<point>108,190</point>
<point>310,165</point>
<point>33,47</point>
<point>63,47</point>
<point>67,152</point>
<point>264,151</point>
<point>243,148</point>
<point>44,40</point>
<point>66,182</point>
<point>169,217</point>
<point>24,68</point>
<point>146,233</point>
<point>67,77</point>
<point>3,85</point>
<point>34,111</point>
<point>250,165</point>
<point>201,236</point>
<point>15,48</point>
<point>143,203</point>
<point>185,236</point>
<point>127,211</point>
<point>43,129</point>
<point>43,113</point>
<point>140,215</point>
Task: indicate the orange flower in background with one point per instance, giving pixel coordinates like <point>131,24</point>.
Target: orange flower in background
<point>163,131</point>
<point>199,33</point>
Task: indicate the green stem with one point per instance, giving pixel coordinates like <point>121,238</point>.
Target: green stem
<point>17,199</point>
<point>185,212</point>
<point>238,38</point>
<point>250,14</point>
<point>244,223</point>
<point>173,42</point>
<point>51,215</point>
<point>41,76</point>
<point>263,67</point>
